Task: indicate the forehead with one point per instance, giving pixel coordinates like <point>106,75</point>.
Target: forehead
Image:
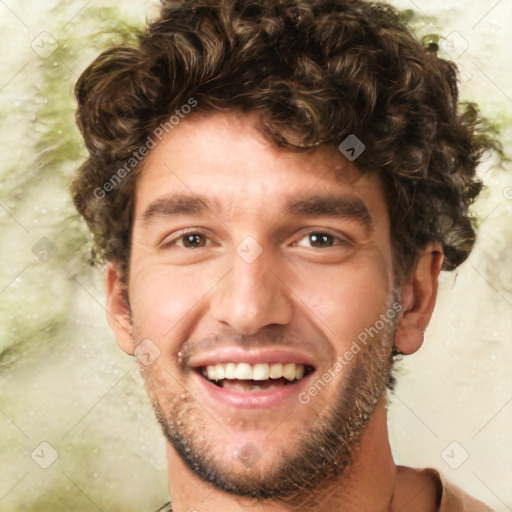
<point>225,161</point>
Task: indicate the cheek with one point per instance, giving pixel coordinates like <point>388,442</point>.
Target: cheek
<point>348,299</point>
<point>161,296</point>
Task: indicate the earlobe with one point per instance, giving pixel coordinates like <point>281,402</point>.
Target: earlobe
<point>419,294</point>
<point>118,311</point>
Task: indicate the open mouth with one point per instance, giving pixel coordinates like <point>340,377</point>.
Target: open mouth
<point>258,377</point>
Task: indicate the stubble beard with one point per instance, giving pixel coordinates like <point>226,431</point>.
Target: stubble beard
<point>323,453</point>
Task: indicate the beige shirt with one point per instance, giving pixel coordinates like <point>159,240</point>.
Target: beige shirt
<point>453,499</point>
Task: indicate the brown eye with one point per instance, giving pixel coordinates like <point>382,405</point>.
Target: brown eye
<point>193,240</point>
<point>321,240</point>
<point>186,239</point>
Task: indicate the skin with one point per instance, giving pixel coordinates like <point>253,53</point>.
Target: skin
<point>179,297</point>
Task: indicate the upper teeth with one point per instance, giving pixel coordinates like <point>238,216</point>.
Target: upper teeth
<point>260,371</point>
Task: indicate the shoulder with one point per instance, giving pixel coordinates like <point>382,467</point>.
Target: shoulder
<point>454,498</point>
<point>436,493</point>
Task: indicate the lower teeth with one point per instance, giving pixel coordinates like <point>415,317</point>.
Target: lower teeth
<point>252,385</point>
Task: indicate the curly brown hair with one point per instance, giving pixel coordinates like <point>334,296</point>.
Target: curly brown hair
<point>315,71</point>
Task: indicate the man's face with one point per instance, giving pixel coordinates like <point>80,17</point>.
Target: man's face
<point>253,275</point>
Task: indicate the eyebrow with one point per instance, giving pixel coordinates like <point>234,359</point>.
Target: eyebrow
<point>179,204</point>
<point>333,205</point>
<point>330,205</point>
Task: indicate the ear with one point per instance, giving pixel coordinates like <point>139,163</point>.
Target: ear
<point>118,310</point>
<point>419,294</point>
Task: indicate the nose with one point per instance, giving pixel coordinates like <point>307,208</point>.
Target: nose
<point>253,295</point>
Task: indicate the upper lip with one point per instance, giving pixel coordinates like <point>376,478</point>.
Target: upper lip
<point>251,356</point>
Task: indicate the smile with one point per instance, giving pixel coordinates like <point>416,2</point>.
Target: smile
<point>253,386</point>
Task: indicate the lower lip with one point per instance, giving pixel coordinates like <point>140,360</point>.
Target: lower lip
<point>254,399</point>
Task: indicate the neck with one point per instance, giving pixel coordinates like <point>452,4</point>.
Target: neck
<point>369,484</point>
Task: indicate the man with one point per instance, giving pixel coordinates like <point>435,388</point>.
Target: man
<point>275,187</point>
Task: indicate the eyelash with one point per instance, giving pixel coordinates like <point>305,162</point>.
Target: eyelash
<point>182,234</point>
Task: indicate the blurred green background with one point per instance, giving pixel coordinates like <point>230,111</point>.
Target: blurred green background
<point>64,381</point>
